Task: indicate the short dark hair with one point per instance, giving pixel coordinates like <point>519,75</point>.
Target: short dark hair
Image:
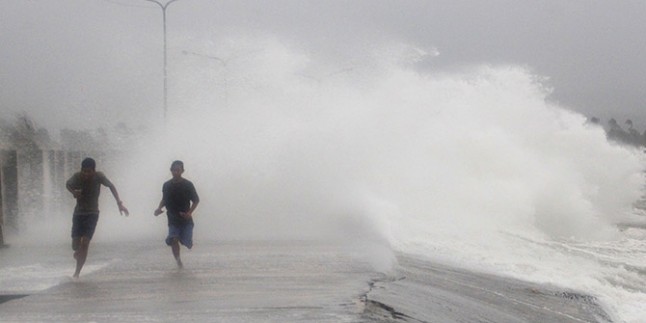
<point>88,163</point>
<point>177,163</point>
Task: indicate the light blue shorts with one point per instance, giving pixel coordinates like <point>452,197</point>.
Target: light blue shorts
<point>184,233</point>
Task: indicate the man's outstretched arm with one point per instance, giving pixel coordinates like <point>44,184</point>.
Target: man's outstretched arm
<point>122,208</point>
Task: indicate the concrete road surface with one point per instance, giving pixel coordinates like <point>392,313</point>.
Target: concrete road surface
<point>286,282</point>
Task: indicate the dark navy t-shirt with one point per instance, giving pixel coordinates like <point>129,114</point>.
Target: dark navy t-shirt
<point>178,196</point>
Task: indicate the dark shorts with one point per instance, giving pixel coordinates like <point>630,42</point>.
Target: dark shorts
<point>182,232</point>
<point>83,225</point>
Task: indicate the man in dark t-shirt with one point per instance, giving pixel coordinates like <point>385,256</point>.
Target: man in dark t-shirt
<point>180,199</point>
<point>85,186</point>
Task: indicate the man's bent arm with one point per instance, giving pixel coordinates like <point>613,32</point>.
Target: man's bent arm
<point>193,207</point>
<point>159,211</point>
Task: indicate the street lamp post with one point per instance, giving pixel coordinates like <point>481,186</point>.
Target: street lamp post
<point>163,8</point>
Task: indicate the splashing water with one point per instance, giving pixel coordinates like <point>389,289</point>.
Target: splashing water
<point>474,168</point>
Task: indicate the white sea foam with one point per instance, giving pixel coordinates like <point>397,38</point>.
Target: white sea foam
<point>474,167</point>
<point>29,267</point>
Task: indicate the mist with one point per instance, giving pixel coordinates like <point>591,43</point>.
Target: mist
<point>451,130</point>
<point>100,62</point>
<point>283,146</point>
<point>382,157</point>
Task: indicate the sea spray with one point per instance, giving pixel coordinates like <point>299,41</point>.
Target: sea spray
<point>476,168</point>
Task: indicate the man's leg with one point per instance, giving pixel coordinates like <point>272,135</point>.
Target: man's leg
<point>76,245</point>
<point>185,238</point>
<point>81,254</point>
<point>175,247</point>
<point>82,231</point>
<point>186,235</point>
<point>173,241</point>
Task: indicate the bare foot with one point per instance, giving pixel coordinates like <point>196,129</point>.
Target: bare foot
<point>179,263</point>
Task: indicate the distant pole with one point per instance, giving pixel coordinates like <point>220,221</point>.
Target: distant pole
<point>163,8</point>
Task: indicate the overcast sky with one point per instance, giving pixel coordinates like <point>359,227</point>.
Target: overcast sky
<point>60,57</point>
